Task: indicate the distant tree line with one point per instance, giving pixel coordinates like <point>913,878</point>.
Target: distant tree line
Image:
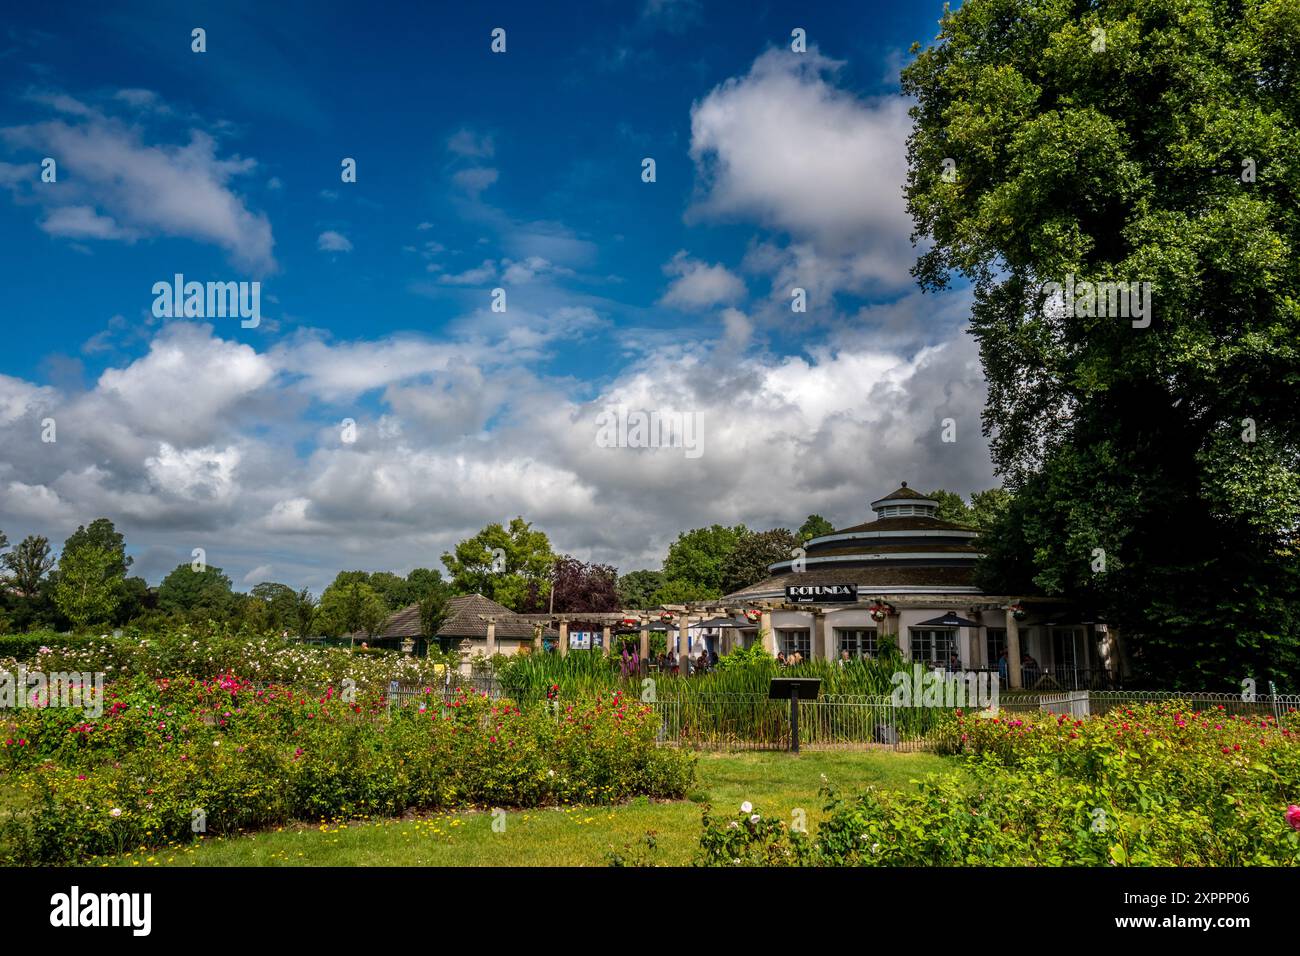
<point>89,585</point>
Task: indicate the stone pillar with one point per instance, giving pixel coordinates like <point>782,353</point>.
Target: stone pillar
<point>645,638</point>
<point>1125,669</point>
<point>564,637</point>
<point>684,646</point>
<point>492,636</point>
<point>1013,650</point>
<point>605,638</point>
<point>537,637</point>
<point>827,639</point>
<point>765,632</point>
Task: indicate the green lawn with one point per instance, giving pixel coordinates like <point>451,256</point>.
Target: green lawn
<point>776,783</point>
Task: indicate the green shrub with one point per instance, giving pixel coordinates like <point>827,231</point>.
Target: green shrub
<point>76,788</point>
<point>1159,785</point>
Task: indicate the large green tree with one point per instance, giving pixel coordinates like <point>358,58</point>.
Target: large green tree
<point>748,561</point>
<point>512,565</point>
<point>422,582</point>
<point>636,588</point>
<point>27,564</point>
<point>1154,455</point>
<point>695,560</point>
<point>89,587</point>
<point>101,533</point>
<point>986,507</point>
<point>392,588</point>
<point>351,606</point>
<point>814,527</point>
<point>205,592</point>
<point>952,506</point>
<point>304,612</point>
<point>281,605</point>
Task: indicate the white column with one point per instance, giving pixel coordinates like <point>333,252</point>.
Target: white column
<point>684,646</point>
<point>492,636</point>
<point>1013,650</point>
<point>827,637</point>
<point>564,637</point>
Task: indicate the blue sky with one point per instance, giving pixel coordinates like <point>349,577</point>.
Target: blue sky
<point>475,171</point>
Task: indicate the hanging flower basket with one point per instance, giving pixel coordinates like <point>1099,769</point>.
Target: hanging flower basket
<point>629,622</point>
<point>881,611</point>
<point>1018,611</point>
<point>752,616</point>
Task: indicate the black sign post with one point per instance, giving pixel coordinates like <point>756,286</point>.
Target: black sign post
<point>795,689</point>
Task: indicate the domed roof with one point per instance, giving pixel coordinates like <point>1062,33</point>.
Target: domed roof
<point>907,545</point>
<point>904,493</point>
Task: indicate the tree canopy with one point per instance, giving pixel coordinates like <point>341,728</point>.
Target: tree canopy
<point>28,563</point>
<point>205,592</point>
<point>88,588</point>
<point>1144,149</point>
<point>696,558</point>
<point>636,589</point>
<point>748,561</point>
<point>350,606</point>
<point>583,586</point>
<point>511,565</point>
<point>814,527</point>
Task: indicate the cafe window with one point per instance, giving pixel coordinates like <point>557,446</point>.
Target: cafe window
<point>796,640</point>
<point>933,646</point>
<point>861,644</point>
<point>995,645</point>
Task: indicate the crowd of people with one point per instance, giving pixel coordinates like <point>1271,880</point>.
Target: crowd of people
<point>666,662</point>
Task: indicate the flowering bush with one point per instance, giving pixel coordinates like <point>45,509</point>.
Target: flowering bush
<point>168,752</point>
<point>751,839</point>
<point>205,652</point>
<point>1158,785</point>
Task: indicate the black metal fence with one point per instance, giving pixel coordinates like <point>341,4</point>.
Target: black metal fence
<point>754,722</point>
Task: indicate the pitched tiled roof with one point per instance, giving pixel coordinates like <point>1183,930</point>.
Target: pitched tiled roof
<point>405,623</point>
<point>462,620</point>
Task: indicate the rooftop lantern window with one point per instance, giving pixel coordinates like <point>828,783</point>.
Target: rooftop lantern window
<point>905,503</point>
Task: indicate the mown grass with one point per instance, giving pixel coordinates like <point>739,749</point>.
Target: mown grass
<point>776,783</point>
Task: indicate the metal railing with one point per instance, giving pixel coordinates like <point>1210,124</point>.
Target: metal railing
<point>1050,679</point>
<point>755,722</point>
<point>1096,703</point>
<point>741,722</point>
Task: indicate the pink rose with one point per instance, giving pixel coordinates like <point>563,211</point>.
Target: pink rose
<point>1293,817</point>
